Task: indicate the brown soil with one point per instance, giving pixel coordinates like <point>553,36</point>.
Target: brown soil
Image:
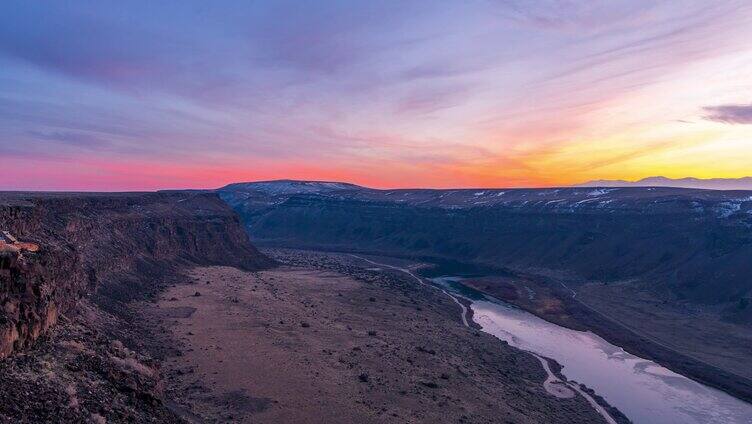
<point>328,341</point>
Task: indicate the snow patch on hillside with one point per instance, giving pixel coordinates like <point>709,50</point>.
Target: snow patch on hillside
<point>601,191</point>
<point>726,209</point>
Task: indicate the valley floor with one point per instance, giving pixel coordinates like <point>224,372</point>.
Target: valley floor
<point>322,339</point>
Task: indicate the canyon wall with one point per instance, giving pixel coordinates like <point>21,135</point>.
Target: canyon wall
<point>110,246</point>
<point>692,244</point>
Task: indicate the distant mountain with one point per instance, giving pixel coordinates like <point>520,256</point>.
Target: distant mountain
<point>689,182</point>
<point>279,187</point>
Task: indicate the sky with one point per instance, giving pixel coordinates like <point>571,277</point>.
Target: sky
<point>151,95</point>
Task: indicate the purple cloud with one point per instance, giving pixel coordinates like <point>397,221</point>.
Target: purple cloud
<point>70,138</point>
<point>730,114</point>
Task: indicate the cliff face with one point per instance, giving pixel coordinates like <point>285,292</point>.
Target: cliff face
<point>696,244</point>
<point>109,245</point>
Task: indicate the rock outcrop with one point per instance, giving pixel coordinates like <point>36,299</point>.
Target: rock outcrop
<point>110,246</point>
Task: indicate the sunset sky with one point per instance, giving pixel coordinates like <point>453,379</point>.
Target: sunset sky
<point>179,94</point>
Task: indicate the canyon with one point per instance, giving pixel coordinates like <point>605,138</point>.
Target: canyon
<point>159,307</point>
<point>156,307</point>
<point>661,271</point>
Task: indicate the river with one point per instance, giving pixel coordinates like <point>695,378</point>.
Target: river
<point>643,390</point>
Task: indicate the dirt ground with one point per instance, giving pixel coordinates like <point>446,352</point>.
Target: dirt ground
<point>328,341</point>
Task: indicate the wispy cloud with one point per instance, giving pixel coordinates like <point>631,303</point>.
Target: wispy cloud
<point>729,114</point>
<point>391,91</point>
<point>70,138</point>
